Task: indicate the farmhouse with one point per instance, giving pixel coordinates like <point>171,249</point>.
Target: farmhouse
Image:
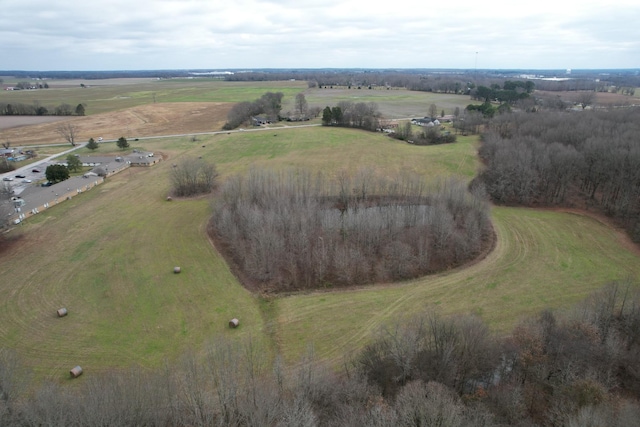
<point>424,121</point>
<point>259,120</point>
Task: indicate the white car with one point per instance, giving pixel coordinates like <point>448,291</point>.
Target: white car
<point>7,178</point>
<point>99,139</point>
<point>28,181</point>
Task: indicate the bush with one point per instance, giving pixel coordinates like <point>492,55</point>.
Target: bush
<point>193,176</point>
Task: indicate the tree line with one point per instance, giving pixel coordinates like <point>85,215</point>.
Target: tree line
<point>580,368</point>
<point>361,115</point>
<point>35,109</point>
<point>269,104</point>
<point>293,230</point>
<point>589,159</point>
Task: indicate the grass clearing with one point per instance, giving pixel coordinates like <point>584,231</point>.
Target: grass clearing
<point>108,257</point>
<point>542,259</point>
<point>108,254</point>
<point>101,96</point>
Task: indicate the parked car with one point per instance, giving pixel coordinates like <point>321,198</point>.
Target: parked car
<point>7,178</point>
<point>35,170</point>
<point>20,176</point>
<point>46,184</point>
<point>28,181</point>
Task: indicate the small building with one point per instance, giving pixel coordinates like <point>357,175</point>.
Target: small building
<point>260,120</point>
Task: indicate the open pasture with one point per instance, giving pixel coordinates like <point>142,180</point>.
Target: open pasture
<point>146,107</point>
<point>393,103</point>
<point>542,259</point>
<point>101,96</point>
<point>108,257</point>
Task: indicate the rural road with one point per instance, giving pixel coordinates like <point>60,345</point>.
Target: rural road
<point>43,163</point>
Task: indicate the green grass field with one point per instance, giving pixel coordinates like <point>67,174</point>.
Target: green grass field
<point>108,255</point>
<point>542,259</point>
<point>114,94</point>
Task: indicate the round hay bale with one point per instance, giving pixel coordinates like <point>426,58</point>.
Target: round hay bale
<point>76,372</point>
<point>169,198</point>
<point>62,312</point>
<point>176,270</point>
<point>234,323</point>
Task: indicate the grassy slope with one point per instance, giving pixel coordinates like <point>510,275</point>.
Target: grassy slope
<point>108,257</point>
<point>108,95</point>
<point>542,259</point>
<point>108,254</point>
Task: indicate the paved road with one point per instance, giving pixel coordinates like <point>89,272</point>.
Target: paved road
<point>27,170</point>
<point>18,186</point>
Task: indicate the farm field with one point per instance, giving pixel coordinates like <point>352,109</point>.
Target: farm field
<point>542,259</point>
<point>140,108</point>
<point>108,257</point>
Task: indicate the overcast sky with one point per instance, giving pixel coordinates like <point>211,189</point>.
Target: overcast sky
<point>214,34</point>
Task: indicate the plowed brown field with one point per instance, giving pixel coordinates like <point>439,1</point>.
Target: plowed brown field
<point>146,120</point>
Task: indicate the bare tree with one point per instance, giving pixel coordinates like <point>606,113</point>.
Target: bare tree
<point>433,111</point>
<point>6,206</point>
<point>193,176</point>
<point>430,404</point>
<point>585,97</point>
<point>13,381</point>
<point>69,132</point>
<point>301,106</point>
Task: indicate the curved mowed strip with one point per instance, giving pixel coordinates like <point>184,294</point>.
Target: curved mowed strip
<point>108,257</point>
<point>541,259</point>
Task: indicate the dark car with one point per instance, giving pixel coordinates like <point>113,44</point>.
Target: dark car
<point>20,176</point>
<point>35,170</point>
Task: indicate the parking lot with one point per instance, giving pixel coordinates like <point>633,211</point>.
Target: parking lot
<point>26,176</point>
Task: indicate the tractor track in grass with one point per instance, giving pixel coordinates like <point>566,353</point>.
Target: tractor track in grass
<point>515,279</point>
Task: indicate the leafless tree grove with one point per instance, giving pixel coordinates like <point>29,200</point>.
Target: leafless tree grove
<point>590,157</point>
<point>292,230</point>
<point>193,176</point>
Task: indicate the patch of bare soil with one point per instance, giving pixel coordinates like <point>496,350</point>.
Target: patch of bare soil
<point>8,122</point>
<point>145,120</point>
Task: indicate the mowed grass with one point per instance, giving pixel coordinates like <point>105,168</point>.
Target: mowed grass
<point>108,255</point>
<point>330,150</point>
<point>102,96</point>
<point>392,103</point>
<point>542,260</point>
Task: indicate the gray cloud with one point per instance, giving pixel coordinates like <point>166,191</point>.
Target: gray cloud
<point>148,34</point>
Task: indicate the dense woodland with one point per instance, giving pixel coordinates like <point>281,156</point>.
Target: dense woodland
<point>578,369</point>
<point>585,159</point>
<point>291,230</point>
